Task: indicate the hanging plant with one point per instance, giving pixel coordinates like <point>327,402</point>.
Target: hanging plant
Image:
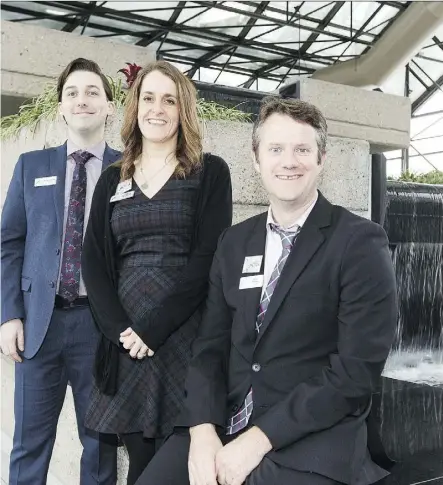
<point>45,106</point>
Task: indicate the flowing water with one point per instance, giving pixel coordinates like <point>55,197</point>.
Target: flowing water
<point>411,400</point>
<point>414,223</point>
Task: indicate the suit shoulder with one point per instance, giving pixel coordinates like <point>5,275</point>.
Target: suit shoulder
<point>34,155</point>
<point>243,228</point>
<point>353,224</point>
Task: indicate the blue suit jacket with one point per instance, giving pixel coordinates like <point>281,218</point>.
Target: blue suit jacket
<point>32,231</point>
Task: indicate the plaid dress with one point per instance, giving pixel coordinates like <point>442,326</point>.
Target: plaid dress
<point>153,241</point>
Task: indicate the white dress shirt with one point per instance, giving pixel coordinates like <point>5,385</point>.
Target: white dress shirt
<point>274,245</point>
<point>93,171</point>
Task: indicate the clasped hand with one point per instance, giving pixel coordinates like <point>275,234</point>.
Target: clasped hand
<point>132,342</point>
<point>211,463</point>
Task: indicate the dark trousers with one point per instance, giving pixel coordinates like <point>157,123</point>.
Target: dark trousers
<point>66,354</point>
<point>170,467</point>
<point>140,453</point>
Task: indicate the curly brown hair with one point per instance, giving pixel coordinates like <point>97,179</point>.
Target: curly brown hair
<point>189,142</point>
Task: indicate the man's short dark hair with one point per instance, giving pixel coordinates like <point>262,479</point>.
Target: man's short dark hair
<point>297,110</point>
<point>81,64</point>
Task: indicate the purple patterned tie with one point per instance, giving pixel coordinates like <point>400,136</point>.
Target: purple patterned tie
<point>241,418</point>
<point>72,245</point>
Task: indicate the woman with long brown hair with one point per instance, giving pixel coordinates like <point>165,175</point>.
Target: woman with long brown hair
<point>155,220</point>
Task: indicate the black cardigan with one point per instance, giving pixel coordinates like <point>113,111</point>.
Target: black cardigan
<point>99,267</point>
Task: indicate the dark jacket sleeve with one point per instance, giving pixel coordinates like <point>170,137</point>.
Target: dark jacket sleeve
<point>13,235</point>
<point>367,320</point>
<point>206,382</point>
<point>97,262</point>
<point>191,289</point>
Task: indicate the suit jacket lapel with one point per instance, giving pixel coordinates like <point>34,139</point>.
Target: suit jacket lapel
<point>57,162</point>
<point>306,245</point>
<point>255,246</point>
<point>110,156</point>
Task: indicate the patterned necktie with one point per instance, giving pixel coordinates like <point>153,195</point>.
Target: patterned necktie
<point>72,244</point>
<point>241,419</point>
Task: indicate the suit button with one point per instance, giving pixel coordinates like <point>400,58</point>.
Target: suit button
<point>234,408</point>
<point>52,284</point>
<point>256,367</point>
<point>57,251</point>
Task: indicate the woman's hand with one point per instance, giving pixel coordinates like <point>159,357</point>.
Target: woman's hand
<point>132,342</point>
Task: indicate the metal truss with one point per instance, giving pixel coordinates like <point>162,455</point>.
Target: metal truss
<point>436,85</point>
<point>251,47</point>
<point>160,27</point>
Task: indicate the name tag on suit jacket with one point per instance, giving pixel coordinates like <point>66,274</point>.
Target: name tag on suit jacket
<point>255,281</point>
<point>45,181</point>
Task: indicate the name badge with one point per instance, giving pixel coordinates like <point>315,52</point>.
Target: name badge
<point>124,187</point>
<point>125,195</point>
<point>45,181</point>
<point>251,282</point>
<point>252,264</point>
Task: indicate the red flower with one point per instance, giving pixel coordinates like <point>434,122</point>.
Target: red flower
<point>130,72</point>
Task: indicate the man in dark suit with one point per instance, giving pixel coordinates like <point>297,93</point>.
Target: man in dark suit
<point>300,318</point>
<point>47,327</point>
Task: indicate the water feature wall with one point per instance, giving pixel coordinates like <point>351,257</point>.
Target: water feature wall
<point>409,402</point>
<point>414,224</point>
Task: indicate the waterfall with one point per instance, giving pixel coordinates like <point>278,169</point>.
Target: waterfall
<point>414,224</point>
<point>410,406</point>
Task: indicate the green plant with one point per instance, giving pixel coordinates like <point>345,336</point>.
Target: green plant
<point>434,177</point>
<point>209,110</point>
<point>44,107</point>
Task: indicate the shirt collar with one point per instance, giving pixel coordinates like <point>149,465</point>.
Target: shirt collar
<point>298,223</point>
<point>97,150</point>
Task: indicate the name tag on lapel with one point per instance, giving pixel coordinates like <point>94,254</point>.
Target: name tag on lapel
<point>45,181</point>
<point>124,187</point>
<point>125,195</point>
<point>252,264</point>
<point>251,282</point>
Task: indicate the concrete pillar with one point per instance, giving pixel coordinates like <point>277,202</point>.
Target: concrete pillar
<point>33,56</point>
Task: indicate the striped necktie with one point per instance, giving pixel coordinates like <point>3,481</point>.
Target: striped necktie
<point>241,418</point>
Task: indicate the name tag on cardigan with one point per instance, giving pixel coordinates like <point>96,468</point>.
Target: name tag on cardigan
<point>124,187</point>
<point>252,264</point>
<point>45,181</point>
<point>125,195</point>
<point>251,282</point>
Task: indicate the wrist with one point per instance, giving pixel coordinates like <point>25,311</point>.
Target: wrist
<point>202,430</point>
<point>263,443</point>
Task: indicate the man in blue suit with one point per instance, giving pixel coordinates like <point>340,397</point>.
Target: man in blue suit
<point>47,327</point>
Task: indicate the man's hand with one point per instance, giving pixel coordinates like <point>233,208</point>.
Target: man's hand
<point>235,461</point>
<point>205,444</point>
<point>132,342</point>
<point>12,339</point>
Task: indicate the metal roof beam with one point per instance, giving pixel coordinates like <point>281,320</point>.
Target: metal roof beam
<point>303,50</point>
<point>438,42</point>
<point>322,25</point>
<point>310,19</point>
<point>244,32</point>
<point>172,19</point>
<point>88,11</point>
<point>427,94</point>
<point>282,23</point>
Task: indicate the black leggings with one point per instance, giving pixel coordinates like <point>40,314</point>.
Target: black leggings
<point>140,451</point>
